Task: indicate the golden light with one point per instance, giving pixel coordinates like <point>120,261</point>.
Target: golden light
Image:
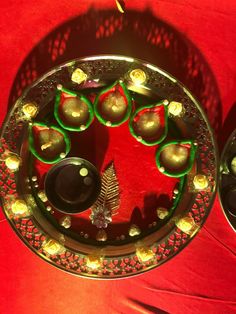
<point>13,162</point>
<point>19,207</point>
<point>162,212</point>
<point>94,261</point>
<point>200,182</point>
<point>78,76</point>
<point>144,254</point>
<point>52,247</point>
<point>120,6</point>
<point>46,145</point>
<point>138,76</point>
<point>175,108</point>
<point>30,110</point>
<point>187,225</point>
<point>134,230</point>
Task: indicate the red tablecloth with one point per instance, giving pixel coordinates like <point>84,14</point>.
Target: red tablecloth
<point>199,48</point>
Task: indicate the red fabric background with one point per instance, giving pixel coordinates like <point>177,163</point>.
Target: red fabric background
<point>201,279</point>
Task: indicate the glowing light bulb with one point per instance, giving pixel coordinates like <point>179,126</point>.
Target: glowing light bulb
<point>94,261</point>
<point>144,254</point>
<point>19,207</point>
<point>78,76</point>
<point>13,162</point>
<point>52,247</point>
<point>175,108</point>
<point>30,110</point>
<point>138,76</point>
<point>200,182</point>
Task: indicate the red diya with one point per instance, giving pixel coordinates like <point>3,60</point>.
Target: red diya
<point>151,155</point>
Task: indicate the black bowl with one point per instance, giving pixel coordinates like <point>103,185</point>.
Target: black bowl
<point>72,185</point>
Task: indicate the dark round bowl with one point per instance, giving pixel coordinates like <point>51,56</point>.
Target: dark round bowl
<point>72,185</point>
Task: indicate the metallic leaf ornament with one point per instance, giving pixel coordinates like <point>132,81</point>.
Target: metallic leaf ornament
<point>108,201</point>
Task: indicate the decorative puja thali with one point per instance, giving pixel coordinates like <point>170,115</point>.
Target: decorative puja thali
<point>108,167</point>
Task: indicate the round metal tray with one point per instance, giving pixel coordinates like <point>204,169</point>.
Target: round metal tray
<point>125,255</point>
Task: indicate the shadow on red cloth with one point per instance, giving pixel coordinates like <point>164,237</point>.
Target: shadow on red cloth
<point>228,127</point>
<point>137,34</point>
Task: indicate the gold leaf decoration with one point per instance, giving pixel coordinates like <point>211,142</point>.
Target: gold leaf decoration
<point>109,197</point>
<point>108,201</point>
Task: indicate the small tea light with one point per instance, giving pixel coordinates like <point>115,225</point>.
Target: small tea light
<point>200,182</point>
<point>52,247</point>
<point>13,162</point>
<point>94,261</point>
<point>138,76</point>
<point>162,212</point>
<point>134,230</point>
<point>144,254</point>
<point>19,207</point>
<point>65,222</point>
<point>30,110</point>
<point>78,76</point>
<point>175,108</point>
<point>101,235</point>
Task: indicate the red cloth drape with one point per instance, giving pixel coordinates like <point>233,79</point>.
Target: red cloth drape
<point>201,279</point>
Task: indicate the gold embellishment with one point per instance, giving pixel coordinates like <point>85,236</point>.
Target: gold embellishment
<point>162,212</point>
<point>144,254</point>
<point>101,235</point>
<point>175,108</point>
<point>134,230</point>
<point>138,76</point>
<point>13,162</point>
<point>187,225</point>
<point>52,247</point>
<point>30,110</point>
<point>78,76</point>
<point>65,222</point>
<point>94,261</point>
<point>19,207</point>
<point>200,182</point>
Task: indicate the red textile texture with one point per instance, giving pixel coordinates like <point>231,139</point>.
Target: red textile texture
<point>193,40</point>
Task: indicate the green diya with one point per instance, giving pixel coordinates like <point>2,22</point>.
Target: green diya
<point>149,124</point>
<point>48,144</point>
<point>73,111</point>
<point>176,158</point>
<point>113,105</point>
